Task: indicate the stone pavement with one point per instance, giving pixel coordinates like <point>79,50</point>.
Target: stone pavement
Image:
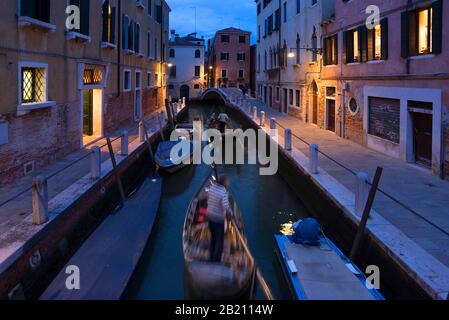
<point>18,210</point>
<point>411,185</point>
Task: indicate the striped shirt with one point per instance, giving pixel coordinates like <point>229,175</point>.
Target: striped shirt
<point>217,203</point>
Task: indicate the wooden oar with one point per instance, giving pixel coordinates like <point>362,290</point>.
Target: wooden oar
<point>264,285</point>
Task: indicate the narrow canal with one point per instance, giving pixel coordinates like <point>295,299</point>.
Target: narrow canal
<point>266,202</point>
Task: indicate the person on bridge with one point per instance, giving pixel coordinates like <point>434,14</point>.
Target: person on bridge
<point>223,119</point>
<point>217,209</point>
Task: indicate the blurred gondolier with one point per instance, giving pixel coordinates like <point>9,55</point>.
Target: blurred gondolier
<point>217,209</point>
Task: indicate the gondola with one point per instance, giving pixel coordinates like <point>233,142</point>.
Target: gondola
<point>166,162</point>
<point>232,279</point>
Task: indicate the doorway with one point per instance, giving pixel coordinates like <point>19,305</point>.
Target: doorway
<point>184,92</point>
<point>138,105</point>
<point>285,99</point>
<point>92,115</point>
<point>422,138</point>
<point>330,121</point>
<point>314,103</point>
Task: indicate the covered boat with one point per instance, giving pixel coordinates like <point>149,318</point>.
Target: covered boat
<point>235,276</point>
<point>163,156</point>
<point>322,272</point>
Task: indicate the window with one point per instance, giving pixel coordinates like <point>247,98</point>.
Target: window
<point>278,94</point>
<point>148,44</point>
<point>83,5</point>
<point>298,49</point>
<point>172,73</point>
<point>298,98</point>
<point>33,84</point>
<point>126,80</point>
<point>277,19</point>
<point>331,50</point>
<point>241,56</point>
<point>298,6</point>
<point>197,71</point>
<point>242,39</point>
<point>224,73</point>
<point>148,79</point>
<point>155,50</point>
<point>258,33</point>
<point>137,38</point>
<point>108,15</point>
<point>270,24</point>
<point>197,53</point>
<point>314,45</point>
<point>37,9</point>
<point>224,56</point>
<point>92,76</point>
<point>314,2</point>
<point>351,49</point>
<point>138,79</point>
<point>352,106</point>
<point>422,30</point>
<point>125,25</point>
<point>265,60</point>
<point>377,41</point>
<point>259,9</point>
<point>224,38</point>
<point>285,12</point>
<point>258,62</point>
<point>290,96</point>
<point>149,7</point>
<point>156,79</point>
<point>196,86</point>
<point>171,53</point>
<point>241,74</point>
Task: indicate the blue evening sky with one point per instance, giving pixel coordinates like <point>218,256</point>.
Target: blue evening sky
<point>212,15</point>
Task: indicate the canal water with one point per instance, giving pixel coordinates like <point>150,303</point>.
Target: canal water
<point>266,203</point>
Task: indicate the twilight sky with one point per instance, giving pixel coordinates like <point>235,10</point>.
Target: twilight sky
<point>212,15</point>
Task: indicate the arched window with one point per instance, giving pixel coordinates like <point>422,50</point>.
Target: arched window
<point>197,53</point>
<point>298,49</point>
<point>131,35</point>
<point>125,26</point>
<point>172,53</point>
<point>137,39</point>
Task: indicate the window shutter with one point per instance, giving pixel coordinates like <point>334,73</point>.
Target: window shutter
<point>437,26</point>
<point>124,32</point>
<point>345,47</point>
<point>325,51</point>
<point>85,10</point>
<point>413,36</point>
<point>113,25</point>
<point>336,49</point>
<point>105,13</point>
<point>363,43</point>
<point>384,35</point>
<point>405,36</point>
<point>370,39</point>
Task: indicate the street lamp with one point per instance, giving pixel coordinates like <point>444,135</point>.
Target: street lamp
<point>170,65</point>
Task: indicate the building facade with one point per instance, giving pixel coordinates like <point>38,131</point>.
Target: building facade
<point>229,56</point>
<point>385,84</point>
<point>289,54</point>
<point>68,82</point>
<point>186,68</point>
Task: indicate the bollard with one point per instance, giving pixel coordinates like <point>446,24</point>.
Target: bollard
<point>361,192</point>
<point>141,132</point>
<point>124,143</point>
<point>273,130</point>
<point>262,118</point>
<point>288,139</point>
<point>254,113</point>
<point>313,163</point>
<point>95,163</point>
<point>40,200</point>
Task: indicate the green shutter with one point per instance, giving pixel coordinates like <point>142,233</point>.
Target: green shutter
<point>85,15</point>
<point>384,34</point>
<point>113,13</point>
<point>437,26</point>
<point>336,49</point>
<point>345,47</point>
<point>405,35</point>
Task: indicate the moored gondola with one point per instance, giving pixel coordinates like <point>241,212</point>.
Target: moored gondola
<point>235,276</point>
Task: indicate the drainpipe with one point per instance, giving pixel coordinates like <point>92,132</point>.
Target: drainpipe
<point>119,45</point>
<point>409,3</point>
<point>283,56</point>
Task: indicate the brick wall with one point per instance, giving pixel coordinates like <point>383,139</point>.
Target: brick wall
<point>56,129</point>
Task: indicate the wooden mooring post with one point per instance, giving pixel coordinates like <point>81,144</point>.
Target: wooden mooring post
<point>116,173</point>
<point>369,204</point>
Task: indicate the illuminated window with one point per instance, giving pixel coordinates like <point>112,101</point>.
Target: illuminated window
<point>355,42</point>
<point>33,85</point>
<point>92,76</point>
<point>108,14</point>
<point>425,31</point>
<point>377,42</point>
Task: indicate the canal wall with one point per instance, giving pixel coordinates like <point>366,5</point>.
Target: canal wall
<point>73,215</point>
<point>406,270</point>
